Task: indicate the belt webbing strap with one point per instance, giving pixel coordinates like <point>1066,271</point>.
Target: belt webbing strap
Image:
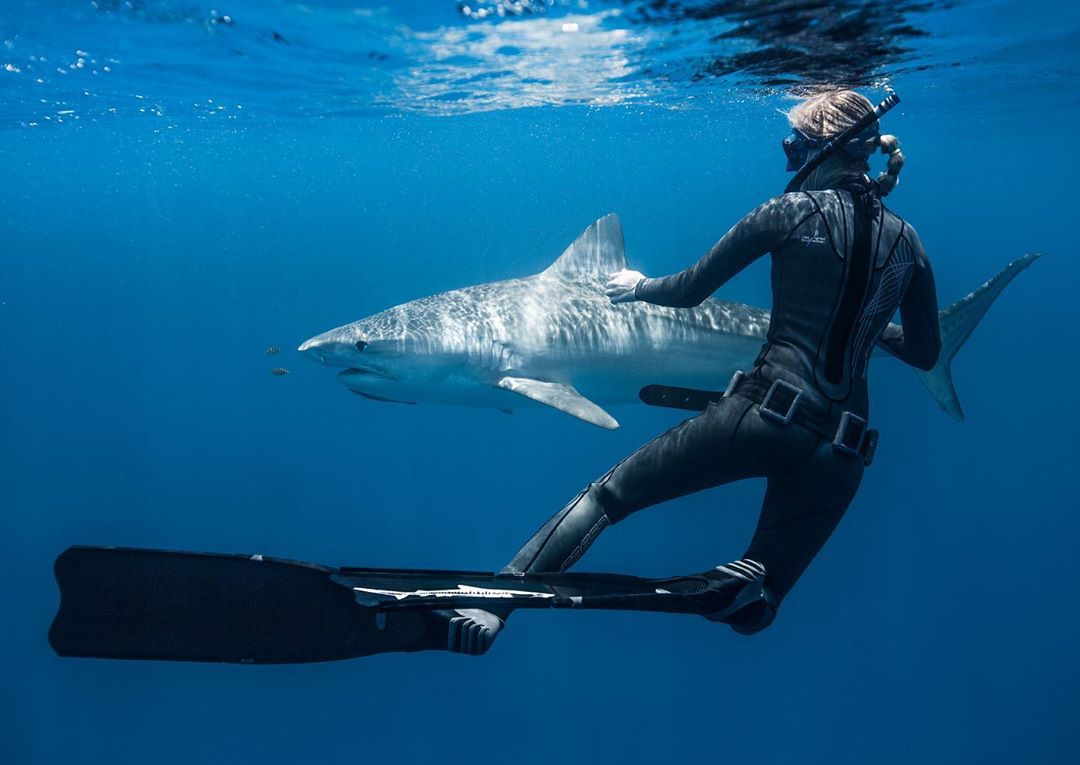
<point>806,415</point>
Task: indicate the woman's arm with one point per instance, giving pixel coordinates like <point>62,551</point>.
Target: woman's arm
<point>762,230</point>
<point>918,341</point>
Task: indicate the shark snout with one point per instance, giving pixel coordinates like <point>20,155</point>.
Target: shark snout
<point>331,351</point>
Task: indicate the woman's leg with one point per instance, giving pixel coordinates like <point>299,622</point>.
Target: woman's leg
<point>810,487</point>
<point>695,455</point>
<point>800,511</point>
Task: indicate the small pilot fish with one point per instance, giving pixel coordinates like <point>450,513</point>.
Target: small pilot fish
<point>279,372</point>
<point>272,350</point>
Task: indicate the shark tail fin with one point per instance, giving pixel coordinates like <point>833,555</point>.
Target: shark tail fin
<point>958,321</point>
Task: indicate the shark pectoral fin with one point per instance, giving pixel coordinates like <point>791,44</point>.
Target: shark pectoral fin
<point>559,396</point>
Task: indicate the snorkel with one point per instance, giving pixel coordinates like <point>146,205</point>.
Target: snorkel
<point>834,144</point>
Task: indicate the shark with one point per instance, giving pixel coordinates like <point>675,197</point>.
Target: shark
<point>554,339</point>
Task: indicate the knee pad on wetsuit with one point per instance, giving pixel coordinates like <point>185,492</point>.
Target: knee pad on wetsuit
<point>587,527</point>
<point>601,495</point>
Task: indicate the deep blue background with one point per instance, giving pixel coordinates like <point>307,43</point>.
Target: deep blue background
<point>142,274</point>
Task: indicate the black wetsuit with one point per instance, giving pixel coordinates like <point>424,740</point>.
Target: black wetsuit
<point>841,266</point>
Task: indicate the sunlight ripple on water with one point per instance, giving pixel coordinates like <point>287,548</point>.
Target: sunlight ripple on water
<point>532,62</point>
<point>183,64</point>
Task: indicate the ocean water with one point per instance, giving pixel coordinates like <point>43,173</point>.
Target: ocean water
<point>185,184</point>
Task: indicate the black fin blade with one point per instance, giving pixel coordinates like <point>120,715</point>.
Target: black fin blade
<point>149,604</point>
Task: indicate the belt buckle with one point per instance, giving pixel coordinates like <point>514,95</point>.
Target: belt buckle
<point>775,414</point>
<point>850,435</point>
<point>736,380</point>
<point>869,447</point>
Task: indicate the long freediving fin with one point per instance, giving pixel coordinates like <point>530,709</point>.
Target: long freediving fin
<point>124,603</point>
<point>560,396</point>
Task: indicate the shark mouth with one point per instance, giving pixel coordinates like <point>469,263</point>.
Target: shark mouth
<point>373,397</point>
<point>345,374</point>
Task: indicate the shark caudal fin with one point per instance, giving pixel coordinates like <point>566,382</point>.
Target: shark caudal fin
<point>958,321</point>
<point>598,251</point>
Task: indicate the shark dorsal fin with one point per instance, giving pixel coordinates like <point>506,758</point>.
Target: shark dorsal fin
<point>599,251</point>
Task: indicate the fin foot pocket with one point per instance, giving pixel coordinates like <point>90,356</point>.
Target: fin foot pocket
<point>748,606</point>
<point>471,631</point>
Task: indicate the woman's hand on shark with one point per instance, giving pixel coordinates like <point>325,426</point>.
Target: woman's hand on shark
<point>621,285</point>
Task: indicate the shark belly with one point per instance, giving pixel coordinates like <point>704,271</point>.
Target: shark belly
<point>707,362</point>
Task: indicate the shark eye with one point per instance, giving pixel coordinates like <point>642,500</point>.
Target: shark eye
<point>361,345</point>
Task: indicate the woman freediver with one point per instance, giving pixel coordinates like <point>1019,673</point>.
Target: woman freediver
<point>842,263</point>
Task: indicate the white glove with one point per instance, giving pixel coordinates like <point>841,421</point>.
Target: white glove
<point>621,285</point>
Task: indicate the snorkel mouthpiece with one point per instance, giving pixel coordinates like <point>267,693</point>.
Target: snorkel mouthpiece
<point>797,149</point>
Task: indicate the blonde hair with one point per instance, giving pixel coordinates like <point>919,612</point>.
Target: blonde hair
<point>830,113</point>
